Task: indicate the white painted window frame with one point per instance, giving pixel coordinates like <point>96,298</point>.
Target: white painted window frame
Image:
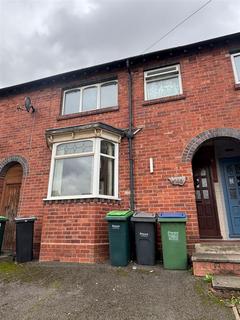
<point>81,89</point>
<point>236,76</point>
<point>96,169</point>
<point>161,72</point>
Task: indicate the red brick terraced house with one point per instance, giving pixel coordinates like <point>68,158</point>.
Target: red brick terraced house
<point>159,132</point>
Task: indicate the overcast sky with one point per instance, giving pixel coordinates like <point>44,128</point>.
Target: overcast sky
<point>40,38</point>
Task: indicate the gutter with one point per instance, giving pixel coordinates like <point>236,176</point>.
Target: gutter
<point>130,136</point>
<point>70,75</point>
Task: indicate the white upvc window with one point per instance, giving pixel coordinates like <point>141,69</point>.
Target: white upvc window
<point>84,168</point>
<point>236,66</point>
<point>97,96</point>
<point>162,82</point>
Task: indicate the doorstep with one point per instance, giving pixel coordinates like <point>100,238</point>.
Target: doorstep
<point>216,258</point>
<point>226,282</point>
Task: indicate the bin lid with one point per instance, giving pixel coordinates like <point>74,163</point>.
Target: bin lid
<point>144,217</point>
<point>118,215</point>
<point>25,219</point>
<point>2,219</point>
<point>172,217</point>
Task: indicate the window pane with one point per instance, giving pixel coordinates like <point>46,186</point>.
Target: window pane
<point>109,95</point>
<point>89,101</point>
<point>75,147</point>
<point>163,88</point>
<point>106,185</point>
<point>107,148</point>
<point>73,176</point>
<point>71,102</point>
<point>237,65</point>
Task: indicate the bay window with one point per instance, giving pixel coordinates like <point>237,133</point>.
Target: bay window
<point>84,168</point>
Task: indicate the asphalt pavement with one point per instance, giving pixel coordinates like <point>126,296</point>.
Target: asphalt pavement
<point>60,291</point>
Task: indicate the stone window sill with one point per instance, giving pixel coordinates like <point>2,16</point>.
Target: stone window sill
<point>86,113</point>
<point>164,100</point>
<point>82,200</point>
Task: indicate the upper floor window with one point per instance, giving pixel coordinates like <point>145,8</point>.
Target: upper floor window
<point>97,96</point>
<point>236,66</point>
<point>162,82</point>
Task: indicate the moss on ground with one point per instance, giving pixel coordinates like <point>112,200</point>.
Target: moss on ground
<point>28,273</point>
<point>122,272</point>
<point>210,296</point>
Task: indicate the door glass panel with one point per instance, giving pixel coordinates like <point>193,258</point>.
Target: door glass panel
<point>204,183</point>
<point>231,181</point>
<point>237,168</point>
<point>198,194</point>
<point>238,181</point>
<point>203,172</point>
<point>233,193</point>
<point>196,183</point>
<point>205,194</point>
<point>230,170</point>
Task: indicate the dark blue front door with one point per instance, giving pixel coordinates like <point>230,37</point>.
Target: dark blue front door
<point>231,187</point>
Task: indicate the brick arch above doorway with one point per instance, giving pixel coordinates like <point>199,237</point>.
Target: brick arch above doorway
<point>196,142</point>
<point>7,163</point>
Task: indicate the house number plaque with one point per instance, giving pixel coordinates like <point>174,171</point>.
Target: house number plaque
<point>177,181</point>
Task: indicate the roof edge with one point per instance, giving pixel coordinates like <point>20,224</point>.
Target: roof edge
<point>119,63</point>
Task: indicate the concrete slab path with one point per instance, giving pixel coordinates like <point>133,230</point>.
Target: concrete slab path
<point>101,292</point>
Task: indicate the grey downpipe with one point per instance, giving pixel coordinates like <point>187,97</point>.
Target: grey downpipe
<point>130,137</point>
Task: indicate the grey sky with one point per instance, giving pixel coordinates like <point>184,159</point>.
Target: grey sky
<point>39,38</point>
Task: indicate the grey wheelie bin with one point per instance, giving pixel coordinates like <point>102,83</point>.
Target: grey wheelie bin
<point>119,237</point>
<point>145,237</point>
<point>24,238</point>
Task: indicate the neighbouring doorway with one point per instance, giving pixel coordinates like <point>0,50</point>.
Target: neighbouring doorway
<point>9,203</point>
<point>204,172</point>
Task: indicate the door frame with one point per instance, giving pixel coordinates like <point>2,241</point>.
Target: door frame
<point>222,162</point>
<point>205,156</point>
<point>214,202</point>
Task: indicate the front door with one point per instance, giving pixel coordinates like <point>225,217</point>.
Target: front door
<point>205,202</point>
<point>231,187</point>
<point>9,204</point>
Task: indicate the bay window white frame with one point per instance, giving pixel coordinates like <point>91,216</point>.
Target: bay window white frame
<point>163,73</point>
<point>236,75</point>
<point>81,89</point>
<point>96,153</point>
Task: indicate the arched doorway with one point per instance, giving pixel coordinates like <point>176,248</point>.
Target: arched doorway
<point>9,202</point>
<point>215,158</point>
<point>216,174</point>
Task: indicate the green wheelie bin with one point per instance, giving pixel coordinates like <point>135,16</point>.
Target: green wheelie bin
<point>119,237</point>
<point>173,235</point>
<point>3,221</point>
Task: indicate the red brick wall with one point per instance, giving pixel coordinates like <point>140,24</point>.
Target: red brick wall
<point>76,231</point>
